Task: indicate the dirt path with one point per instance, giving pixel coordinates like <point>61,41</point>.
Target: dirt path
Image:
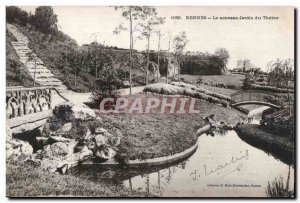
<point>134,90</point>
<point>80,98</point>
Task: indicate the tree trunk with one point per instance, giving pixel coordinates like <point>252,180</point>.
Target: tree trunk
<point>34,77</point>
<point>168,61</point>
<point>96,70</point>
<point>130,58</point>
<point>147,66</point>
<point>158,57</point>
<point>75,78</point>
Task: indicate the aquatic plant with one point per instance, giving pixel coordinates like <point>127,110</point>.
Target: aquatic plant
<point>278,189</point>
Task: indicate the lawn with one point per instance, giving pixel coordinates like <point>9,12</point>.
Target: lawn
<point>155,134</point>
<point>28,181</point>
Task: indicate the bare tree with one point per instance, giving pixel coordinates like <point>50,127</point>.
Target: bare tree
<point>147,29</point>
<point>133,14</point>
<point>179,43</point>
<point>224,55</point>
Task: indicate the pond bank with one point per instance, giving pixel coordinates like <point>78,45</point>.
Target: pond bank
<point>280,147</point>
<point>28,181</point>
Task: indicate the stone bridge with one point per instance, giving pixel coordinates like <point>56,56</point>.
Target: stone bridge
<point>29,108</point>
<point>259,97</point>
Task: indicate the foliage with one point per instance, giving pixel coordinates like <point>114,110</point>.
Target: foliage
<point>106,86</point>
<point>45,20</point>
<point>248,81</point>
<point>278,189</point>
<point>280,72</point>
<point>15,15</point>
<point>223,54</point>
<point>270,88</point>
<point>279,123</point>
<point>201,64</point>
<point>179,43</point>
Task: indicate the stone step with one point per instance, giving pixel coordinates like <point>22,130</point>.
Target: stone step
<point>38,66</point>
<point>18,44</point>
<point>31,63</point>
<point>39,71</point>
<point>56,83</point>
<point>22,54</point>
<point>49,79</point>
<point>45,75</point>
<point>42,74</point>
<point>19,50</point>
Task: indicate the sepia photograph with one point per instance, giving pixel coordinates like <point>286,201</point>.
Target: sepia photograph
<point>150,101</point>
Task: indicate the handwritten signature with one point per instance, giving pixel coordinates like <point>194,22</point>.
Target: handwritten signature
<point>234,159</point>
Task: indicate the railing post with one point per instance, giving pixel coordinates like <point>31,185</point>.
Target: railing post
<point>20,107</point>
<point>50,98</point>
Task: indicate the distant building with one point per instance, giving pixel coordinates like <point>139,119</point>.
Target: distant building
<point>245,66</point>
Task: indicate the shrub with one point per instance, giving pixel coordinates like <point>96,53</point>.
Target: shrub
<point>247,83</point>
<point>106,86</point>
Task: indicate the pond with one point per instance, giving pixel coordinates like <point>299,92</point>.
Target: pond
<point>222,165</point>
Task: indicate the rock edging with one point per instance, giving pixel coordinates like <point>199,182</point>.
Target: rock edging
<point>157,161</point>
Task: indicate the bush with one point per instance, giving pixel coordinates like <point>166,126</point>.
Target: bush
<point>106,86</point>
<point>270,88</point>
<point>279,123</point>
<point>179,88</point>
<point>247,83</point>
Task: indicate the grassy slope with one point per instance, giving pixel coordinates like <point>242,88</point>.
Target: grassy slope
<point>50,52</point>
<point>26,181</point>
<point>153,135</point>
<point>233,79</point>
<point>281,147</point>
<point>16,73</point>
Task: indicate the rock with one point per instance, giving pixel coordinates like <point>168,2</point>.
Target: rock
<point>105,153</point>
<point>100,131</point>
<point>83,113</point>
<point>54,139</point>
<point>71,146</point>
<point>74,159</point>
<point>100,140</point>
<point>50,164</point>
<point>126,83</point>
<point>58,149</point>
<point>42,140</point>
<point>65,128</point>
<point>88,135</point>
<point>8,131</point>
<point>99,119</point>
<point>115,141</point>
<point>16,148</point>
<point>70,112</point>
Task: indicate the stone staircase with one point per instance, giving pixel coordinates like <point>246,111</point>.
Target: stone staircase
<point>43,75</point>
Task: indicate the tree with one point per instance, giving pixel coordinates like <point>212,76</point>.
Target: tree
<point>131,14</point>
<point>16,15</point>
<point>148,29</point>
<point>281,72</point>
<point>179,43</point>
<point>45,20</point>
<point>223,54</point>
<point>106,85</point>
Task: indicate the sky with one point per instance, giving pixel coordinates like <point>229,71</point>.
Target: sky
<point>260,41</point>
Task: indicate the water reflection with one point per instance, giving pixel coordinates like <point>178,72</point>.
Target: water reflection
<point>179,179</point>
